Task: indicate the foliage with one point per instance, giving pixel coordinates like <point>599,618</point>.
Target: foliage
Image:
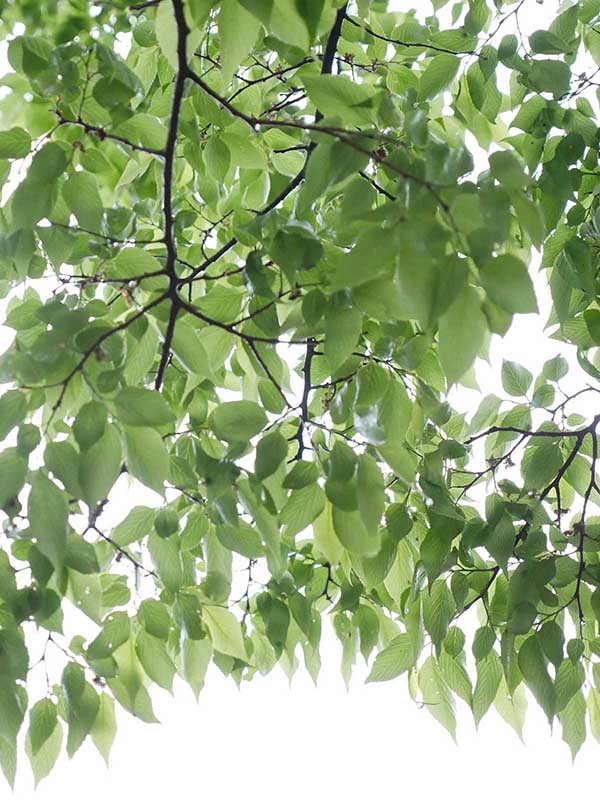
<point>246,255</point>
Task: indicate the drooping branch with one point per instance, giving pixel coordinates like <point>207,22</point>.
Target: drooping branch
<point>64,383</point>
<point>553,486</point>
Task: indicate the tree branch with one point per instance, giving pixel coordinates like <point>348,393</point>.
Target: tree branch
<point>168,217</point>
<point>103,134</point>
<point>304,413</point>
<point>401,43</point>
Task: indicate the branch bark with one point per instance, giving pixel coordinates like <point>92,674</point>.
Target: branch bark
<point>170,265</point>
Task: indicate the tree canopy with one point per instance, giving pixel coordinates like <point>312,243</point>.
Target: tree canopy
<point>245,255</point>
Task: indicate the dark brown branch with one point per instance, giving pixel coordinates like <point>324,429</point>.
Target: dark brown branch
<point>106,237</point>
<point>401,43</point>
<point>482,593</point>
<point>142,6</point>
<point>525,432</point>
<point>277,74</point>
<point>123,552</point>
<point>580,527</point>
<point>102,134</point>
<point>333,40</point>
<point>553,412</point>
<point>168,216</point>
<point>230,326</point>
<point>377,186</point>
<point>166,348</point>
<point>304,413</point>
<point>85,279</point>
<point>267,371</point>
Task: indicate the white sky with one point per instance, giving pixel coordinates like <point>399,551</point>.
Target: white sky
<point>269,741</point>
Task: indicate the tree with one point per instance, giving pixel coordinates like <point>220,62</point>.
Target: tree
<point>246,255</point>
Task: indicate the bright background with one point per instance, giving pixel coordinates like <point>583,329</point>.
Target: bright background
<point>270,740</point>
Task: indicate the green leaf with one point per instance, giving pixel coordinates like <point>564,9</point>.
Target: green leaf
<point>12,411</point>
<point>512,708</point>
<point>302,508</point>
<point>340,96</point>
<point>242,539</point>
<point>62,460</point>
<point>593,704</point>
<point>569,680</point>
<point>540,465</point>
<point>302,474</point>
<point>42,722</point>
<point>14,143</point>
<point>48,513</point>
<point>455,676</point>
<point>547,75</point>
<point>438,610</point>
<point>13,471</point>
<point>271,451</point>
<point>225,631</point>
<point>82,703</point>
<point>533,667</point>
<point>133,261</point>
<point>592,320</point>
<point>100,466</point>
<point>90,423</point>
<point>80,193</point>
<point>438,700</point>
<point>547,43</point>
<point>505,167</point>
<point>104,728</point>
<point>196,658</point>
<point>238,30</point>
<point>516,380</point>
<point>167,561</point>
<point>81,555</point>
<point>153,657</point>
<point>276,617</point>
<point>154,616</point>
<point>489,675</point>
<point>508,284</point>
<point>142,408</point>
<point>44,760</point>
<point>8,760</point>
<point>522,618</point>
<point>396,658</point>
<point>143,129</point>
<point>572,720</point>
<point>438,75</point>
<point>115,632</point>
<point>462,331</point>
<point>32,202</point>
<point>352,534</point>
<point>370,492</point>
<point>136,525</point>
<point>238,421</point>
<point>343,328</point>
<point>146,457</point>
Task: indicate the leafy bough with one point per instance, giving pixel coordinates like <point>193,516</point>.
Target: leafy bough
<point>244,264</point>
